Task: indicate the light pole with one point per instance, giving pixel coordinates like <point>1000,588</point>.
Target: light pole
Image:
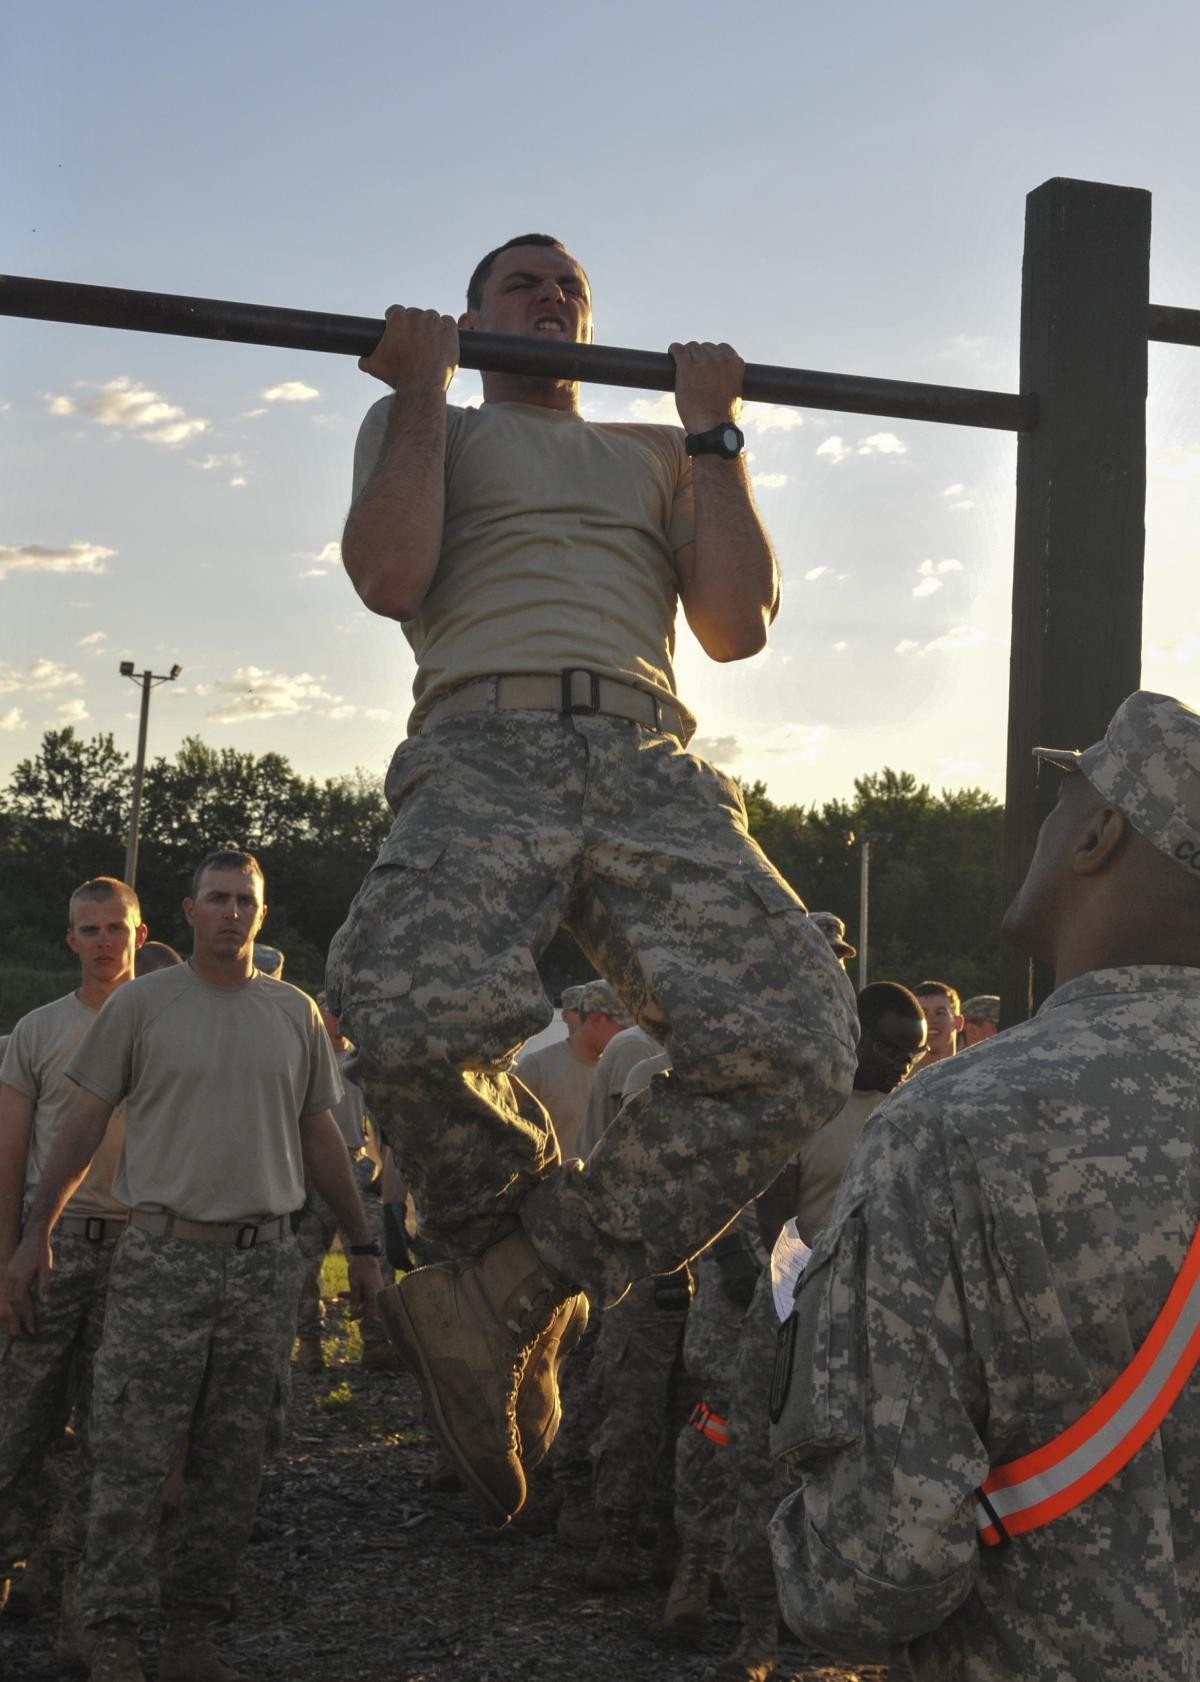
<point>865,839</point>
<point>148,680</point>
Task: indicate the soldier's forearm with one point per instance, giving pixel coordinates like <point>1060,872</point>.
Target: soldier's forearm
<point>327,1164</point>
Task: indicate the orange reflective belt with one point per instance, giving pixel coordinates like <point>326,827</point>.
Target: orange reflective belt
<point>710,1425</point>
<point>1041,1486</point>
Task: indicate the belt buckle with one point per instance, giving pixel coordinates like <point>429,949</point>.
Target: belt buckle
<point>249,1244</point>
<point>569,703</point>
<point>91,1237</point>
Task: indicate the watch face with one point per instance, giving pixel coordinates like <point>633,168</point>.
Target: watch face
<point>732,439</point>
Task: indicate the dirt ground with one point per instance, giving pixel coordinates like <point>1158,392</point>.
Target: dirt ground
<point>357,1573</point>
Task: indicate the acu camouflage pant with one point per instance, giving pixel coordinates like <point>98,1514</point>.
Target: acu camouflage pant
<point>194,1339</point>
<point>759,1482</point>
<point>508,825</point>
<point>42,1378</point>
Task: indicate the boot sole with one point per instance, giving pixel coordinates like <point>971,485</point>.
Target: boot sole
<point>400,1329</point>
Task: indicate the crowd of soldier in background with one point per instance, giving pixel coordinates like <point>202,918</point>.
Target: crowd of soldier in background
<point>661,1471</point>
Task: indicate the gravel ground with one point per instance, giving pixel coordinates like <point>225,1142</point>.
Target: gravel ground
<point>357,1573</point>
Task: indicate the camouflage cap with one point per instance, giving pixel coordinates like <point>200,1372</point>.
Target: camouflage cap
<point>984,1007</point>
<point>1148,765</point>
<point>570,996</point>
<point>598,995</point>
<point>834,930</point>
<point>268,960</point>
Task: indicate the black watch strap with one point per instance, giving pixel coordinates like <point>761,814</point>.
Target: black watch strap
<point>371,1249</point>
<point>725,440</point>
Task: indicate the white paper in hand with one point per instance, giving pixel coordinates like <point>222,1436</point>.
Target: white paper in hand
<point>789,1258</point>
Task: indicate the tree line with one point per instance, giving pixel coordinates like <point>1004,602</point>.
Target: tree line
<point>935,860</point>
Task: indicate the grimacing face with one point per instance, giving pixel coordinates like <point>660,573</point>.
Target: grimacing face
<point>535,290</point>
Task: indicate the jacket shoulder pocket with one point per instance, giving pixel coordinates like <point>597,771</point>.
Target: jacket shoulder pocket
<point>818,1386</point>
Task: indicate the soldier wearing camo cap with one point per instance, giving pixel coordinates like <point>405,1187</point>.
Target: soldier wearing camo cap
<point>536,562</point>
<point>1007,1235</point>
<point>981,1017</point>
<point>834,930</point>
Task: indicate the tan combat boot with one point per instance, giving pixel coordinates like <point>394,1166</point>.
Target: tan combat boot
<point>539,1410</point>
<point>467,1330</point>
<point>757,1653</point>
<point>614,1565</point>
<point>309,1356</point>
<point>115,1653</point>
<point>188,1653</point>
<point>685,1614</point>
<point>74,1644</point>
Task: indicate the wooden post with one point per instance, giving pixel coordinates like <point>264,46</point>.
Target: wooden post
<point>1081,495</point>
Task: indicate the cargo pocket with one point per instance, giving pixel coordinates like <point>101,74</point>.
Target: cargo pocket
<point>818,1385</point>
<point>373,955</point>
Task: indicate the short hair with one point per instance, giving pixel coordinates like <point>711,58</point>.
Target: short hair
<point>104,887</point>
<point>155,955</point>
<point>268,960</point>
<point>228,858</point>
<point>926,989</point>
<point>882,996</point>
<point>483,267</point>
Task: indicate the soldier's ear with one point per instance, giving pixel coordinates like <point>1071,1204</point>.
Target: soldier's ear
<point>1100,839</point>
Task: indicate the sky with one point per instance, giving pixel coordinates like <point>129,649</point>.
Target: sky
<point>836,188</point>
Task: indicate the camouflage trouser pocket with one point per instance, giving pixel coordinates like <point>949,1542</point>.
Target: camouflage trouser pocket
<point>818,1384</point>
<point>373,954</point>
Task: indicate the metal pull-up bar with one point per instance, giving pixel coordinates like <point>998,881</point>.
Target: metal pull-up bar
<point>354,335</point>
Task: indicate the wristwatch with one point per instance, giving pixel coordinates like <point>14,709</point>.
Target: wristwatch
<point>725,440</point>
<point>371,1249</point>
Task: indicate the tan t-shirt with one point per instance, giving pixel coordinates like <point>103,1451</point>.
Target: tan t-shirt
<point>35,1064</point>
<point>622,1053</point>
<point>557,551</point>
<point>562,1080</point>
<point>216,1082</point>
<point>823,1158</point>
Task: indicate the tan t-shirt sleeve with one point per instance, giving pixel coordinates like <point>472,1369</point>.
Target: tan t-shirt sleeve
<point>103,1060</point>
<point>368,446</point>
<point>324,1088</point>
<point>16,1069</point>
<point>682,528</point>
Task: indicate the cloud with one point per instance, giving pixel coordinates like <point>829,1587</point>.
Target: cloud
<point>290,391</point>
<point>882,444</point>
<point>256,693</point>
<point>72,712</point>
<point>378,715</point>
<point>35,557</point>
<point>927,569</point>
<point>840,647</point>
<point>956,641</point>
<point>344,709</point>
<point>128,405</point>
<point>236,483</point>
<point>323,560</point>
<point>210,463</point>
<point>927,587</point>
<point>833,449</point>
<point>92,638</point>
<point>41,677</point>
<point>13,719</point>
<point>769,481</point>
<point>813,573</point>
<point>723,750</point>
<point>656,411</point>
<point>769,417</point>
<point>954,490</point>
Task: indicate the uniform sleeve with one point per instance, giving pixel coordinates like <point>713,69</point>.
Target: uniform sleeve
<point>102,1062</point>
<point>877,1405</point>
<point>368,446</point>
<point>682,529</point>
<point>324,1088</point>
<point>16,1069</point>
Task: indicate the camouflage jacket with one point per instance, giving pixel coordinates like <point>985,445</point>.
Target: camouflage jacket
<point>1005,1237</point>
